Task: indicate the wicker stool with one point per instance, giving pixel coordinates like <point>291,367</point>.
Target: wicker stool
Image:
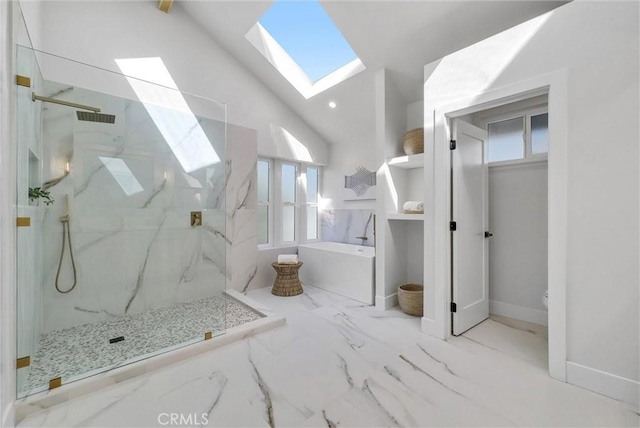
<point>287,282</point>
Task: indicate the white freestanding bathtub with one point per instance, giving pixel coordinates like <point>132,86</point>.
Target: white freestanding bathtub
<point>343,269</point>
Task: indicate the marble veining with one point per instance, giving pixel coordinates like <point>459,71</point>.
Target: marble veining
<point>347,226</point>
<point>75,351</point>
<point>337,363</point>
<point>134,252</point>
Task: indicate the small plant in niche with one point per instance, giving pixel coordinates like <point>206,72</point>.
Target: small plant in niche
<point>36,193</point>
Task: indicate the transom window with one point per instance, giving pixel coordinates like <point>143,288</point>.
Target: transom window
<point>288,196</point>
<point>523,136</point>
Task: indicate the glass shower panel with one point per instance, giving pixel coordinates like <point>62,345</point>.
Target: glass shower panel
<point>133,248</point>
<point>29,214</point>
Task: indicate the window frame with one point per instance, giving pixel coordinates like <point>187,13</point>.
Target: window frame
<point>270,203</point>
<point>301,206</point>
<point>280,204</point>
<point>528,155</point>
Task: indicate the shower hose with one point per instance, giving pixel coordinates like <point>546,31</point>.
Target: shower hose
<point>66,236</point>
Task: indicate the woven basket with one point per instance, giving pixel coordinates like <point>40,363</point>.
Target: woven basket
<point>413,141</point>
<point>411,300</point>
<point>287,282</point>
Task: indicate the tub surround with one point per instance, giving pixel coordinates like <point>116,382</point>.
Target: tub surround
<point>345,269</point>
<point>346,225</point>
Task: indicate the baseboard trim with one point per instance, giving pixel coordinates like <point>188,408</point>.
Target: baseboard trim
<point>604,383</point>
<point>519,312</point>
<point>384,303</point>
<point>430,327</point>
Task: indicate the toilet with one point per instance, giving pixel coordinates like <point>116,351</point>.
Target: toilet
<point>545,299</point>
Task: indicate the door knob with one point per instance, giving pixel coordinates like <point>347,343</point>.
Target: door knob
<point>488,234</point>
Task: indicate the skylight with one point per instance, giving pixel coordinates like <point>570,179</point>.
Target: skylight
<point>306,32</point>
<point>299,39</point>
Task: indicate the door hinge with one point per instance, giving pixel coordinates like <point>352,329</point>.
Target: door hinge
<point>452,144</point>
<point>452,226</point>
<point>454,308</point>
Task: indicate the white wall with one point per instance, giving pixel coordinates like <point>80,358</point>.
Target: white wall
<point>415,115</point>
<point>518,248</point>
<point>7,221</point>
<point>98,32</point>
<point>597,44</point>
<point>344,160</point>
<point>391,242</point>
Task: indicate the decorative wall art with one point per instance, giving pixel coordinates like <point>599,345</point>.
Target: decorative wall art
<point>361,185</point>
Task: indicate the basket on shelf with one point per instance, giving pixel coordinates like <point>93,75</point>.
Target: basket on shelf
<point>413,141</point>
<point>413,212</point>
<point>410,297</point>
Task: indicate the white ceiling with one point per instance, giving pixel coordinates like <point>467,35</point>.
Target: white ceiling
<point>401,36</point>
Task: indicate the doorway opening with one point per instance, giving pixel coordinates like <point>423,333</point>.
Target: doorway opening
<point>499,206</point>
<point>437,319</point>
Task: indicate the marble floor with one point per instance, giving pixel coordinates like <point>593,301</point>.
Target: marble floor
<point>337,363</point>
<point>77,352</point>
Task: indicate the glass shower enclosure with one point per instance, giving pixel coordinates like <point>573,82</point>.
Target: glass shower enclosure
<point>121,238</point>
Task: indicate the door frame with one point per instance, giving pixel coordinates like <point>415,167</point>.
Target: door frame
<point>437,319</point>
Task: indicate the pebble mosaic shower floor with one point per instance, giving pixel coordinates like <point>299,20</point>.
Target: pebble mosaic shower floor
<point>76,352</point>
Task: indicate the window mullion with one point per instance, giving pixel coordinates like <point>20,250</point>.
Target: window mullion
<point>301,199</point>
<point>277,203</point>
<point>527,135</point>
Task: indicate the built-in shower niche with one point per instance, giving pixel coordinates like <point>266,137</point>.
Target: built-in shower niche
<point>123,274</point>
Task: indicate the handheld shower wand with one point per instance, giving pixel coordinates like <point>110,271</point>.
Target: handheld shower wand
<point>66,236</point>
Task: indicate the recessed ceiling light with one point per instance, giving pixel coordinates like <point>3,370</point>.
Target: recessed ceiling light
<point>332,104</point>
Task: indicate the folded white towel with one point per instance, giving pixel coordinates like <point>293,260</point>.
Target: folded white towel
<point>288,259</point>
<point>413,206</point>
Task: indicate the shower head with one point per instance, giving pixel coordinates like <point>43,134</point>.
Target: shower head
<point>93,116</point>
<point>96,117</point>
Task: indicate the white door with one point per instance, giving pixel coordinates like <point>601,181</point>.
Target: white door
<point>470,249</point>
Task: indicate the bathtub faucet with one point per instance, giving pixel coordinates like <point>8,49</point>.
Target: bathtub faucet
<point>364,238</point>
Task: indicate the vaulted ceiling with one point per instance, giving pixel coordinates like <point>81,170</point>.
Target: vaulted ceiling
<point>400,36</point>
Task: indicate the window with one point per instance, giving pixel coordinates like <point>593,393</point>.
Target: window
<point>288,195</point>
<point>522,137</point>
<point>264,200</point>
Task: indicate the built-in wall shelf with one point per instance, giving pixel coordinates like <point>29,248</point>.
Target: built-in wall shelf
<point>399,216</point>
<point>408,162</point>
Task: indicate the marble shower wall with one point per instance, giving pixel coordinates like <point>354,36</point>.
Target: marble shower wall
<point>129,201</point>
<point>346,225</point>
<point>242,197</point>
